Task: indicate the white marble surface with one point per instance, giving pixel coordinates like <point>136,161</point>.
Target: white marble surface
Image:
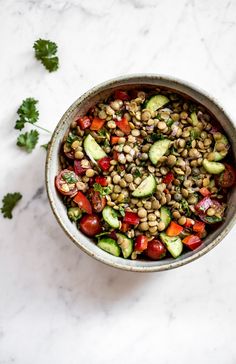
<point>57,305</point>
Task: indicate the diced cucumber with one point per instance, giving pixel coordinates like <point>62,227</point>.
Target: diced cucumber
<point>165,216</point>
<point>158,149</point>
<point>93,149</point>
<point>173,244</point>
<point>125,243</point>
<point>220,155</point>
<point>74,213</point>
<point>194,118</point>
<point>110,246</point>
<point>156,102</point>
<point>111,217</point>
<point>213,167</point>
<point>146,188</point>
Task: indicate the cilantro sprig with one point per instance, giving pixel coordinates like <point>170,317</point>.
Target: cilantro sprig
<point>45,52</point>
<point>102,190</point>
<point>28,140</point>
<point>27,112</point>
<point>9,201</point>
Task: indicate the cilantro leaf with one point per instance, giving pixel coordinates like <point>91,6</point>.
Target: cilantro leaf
<point>102,190</point>
<point>45,146</point>
<point>70,177</point>
<point>45,51</point>
<point>9,201</point>
<point>137,173</point>
<point>27,112</point>
<point>28,141</point>
<point>71,138</point>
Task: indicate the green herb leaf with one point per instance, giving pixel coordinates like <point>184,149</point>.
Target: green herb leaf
<point>71,138</point>
<point>185,207</point>
<point>45,51</point>
<point>70,177</point>
<point>157,136</point>
<point>27,140</point>
<point>121,210</point>
<point>102,133</point>
<point>169,122</point>
<point>137,173</point>
<point>9,201</point>
<point>27,112</point>
<point>102,190</point>
<point>45,146</point>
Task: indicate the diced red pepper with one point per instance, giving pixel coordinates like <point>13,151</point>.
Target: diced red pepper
<point>192,241</point>
<point>79,170</point>
<point>204,191</point>
<point>123,125</point>
<point>104,163</point>
<point>125,227</point>
<point>168,178</point>
<point>115,140</point>
<point>101,180</point>
<point>84,122</point>
<point>97,124</point>
<point>141,243</point>
<point>121,95</point>
<point>83,202</point>
<point>115,155</point>
<point>199,227</point>
<point>189,222</point>
<point>131,218</point>
<point>174,229</point>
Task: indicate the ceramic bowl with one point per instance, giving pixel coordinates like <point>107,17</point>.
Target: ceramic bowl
<point>80,107</point>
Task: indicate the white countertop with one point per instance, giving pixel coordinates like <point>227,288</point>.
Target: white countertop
<point>57,305</point>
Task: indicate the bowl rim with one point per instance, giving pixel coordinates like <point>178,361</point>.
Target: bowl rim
<point>108,260</point>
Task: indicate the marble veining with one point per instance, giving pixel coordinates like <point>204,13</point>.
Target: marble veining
<point>57,305</point>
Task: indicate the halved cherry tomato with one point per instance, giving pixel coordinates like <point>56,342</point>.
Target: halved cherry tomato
<point>66,182</point>
<point>156,250</point>
<point>104,163</point>
<point>199,227</point>
<point>71,154</point>
<point>98,201</point>
<point>121,95</point>
<point>79,170</point>
<point>204,191</point>
<point>115,140</point>
<point>192,241</point>
<point>90,225</point>
<point>131,218</point>
<point>101,180</point>
<point>141,243</point>
<point>123,125</point>
<point>83,202</point>
<point>97,124</point>
<point>84,122</point>
<point>125,227</point>
<point>174,229</point>
<point>189,222</point>
<point>227,178</point>
<point>168,178</point>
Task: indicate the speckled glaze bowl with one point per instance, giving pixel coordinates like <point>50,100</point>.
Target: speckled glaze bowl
<point>80,107</point>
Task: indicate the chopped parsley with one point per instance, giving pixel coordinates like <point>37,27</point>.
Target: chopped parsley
<point>28,140</point>
<point>102,190</point>
<point>9,201</point>
<point>69,177</point>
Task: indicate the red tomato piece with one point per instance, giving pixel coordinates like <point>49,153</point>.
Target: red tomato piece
<point>123,125</point>
<point>199,227</point>
<point>66,182</point>
<point>189,222</point>
<point>174,229</point>
<point>97,124</point>
<point>141,243</point>
<point>204,191</point>
<point>84,122</point>
<point>98,201</point>
<point>79,170</point>
<point>115,140</point>
<point>192,241</point>
<point>125,227</point>
<point>104,163</point>
<point>83,202</point>
<point>131,218</point>
<point>101,180</point>
<point>90,225</point>
<point>227,178</point>
<point>168,178</point>
<point>121,95</point>
<point>156,250</point>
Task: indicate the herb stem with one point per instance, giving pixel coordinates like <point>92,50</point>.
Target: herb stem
<point>40,127</point>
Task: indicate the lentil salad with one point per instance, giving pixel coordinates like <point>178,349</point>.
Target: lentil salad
<point>142,173</point>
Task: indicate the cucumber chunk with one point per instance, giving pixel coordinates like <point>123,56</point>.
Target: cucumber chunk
<point>110,246</point>
<point>125,243</point>
<point>165,216</point>
<point>173,244</point>
<point>213,167</point>
<point>220,155</point>
<point>146,188</point>
<point>111,217</point>
<point>156,102</point>
<point>93,149</point>
<point>158,149</point>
